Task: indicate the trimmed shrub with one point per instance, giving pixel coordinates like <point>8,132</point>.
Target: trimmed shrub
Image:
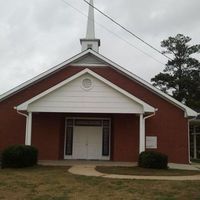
<point>153,160</point>
<point>19,156</point>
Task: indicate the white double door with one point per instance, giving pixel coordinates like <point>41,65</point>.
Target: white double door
<point>87,143</point>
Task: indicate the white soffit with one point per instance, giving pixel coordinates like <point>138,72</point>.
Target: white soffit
<point>70,96</point>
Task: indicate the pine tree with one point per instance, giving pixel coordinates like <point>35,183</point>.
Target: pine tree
<point>181,76</point>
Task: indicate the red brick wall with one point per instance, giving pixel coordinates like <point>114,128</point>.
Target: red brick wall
<point>125,138</point>
<point>12,128</point>
<point>169,123</point>
<point>47,131</point>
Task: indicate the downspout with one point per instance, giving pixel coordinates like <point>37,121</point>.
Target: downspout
<point>25,115</point>
<point>149,116</point>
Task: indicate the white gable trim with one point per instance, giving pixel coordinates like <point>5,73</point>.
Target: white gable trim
<point>146,107</point>
<point>188,111</point>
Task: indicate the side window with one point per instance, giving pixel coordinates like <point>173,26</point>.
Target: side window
<point>106,138</point>
<point>69,137</point>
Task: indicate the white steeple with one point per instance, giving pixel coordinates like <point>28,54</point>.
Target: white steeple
<point>90,24</point>
<point>90,42</point>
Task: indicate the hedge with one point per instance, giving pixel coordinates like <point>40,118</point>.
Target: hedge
<point>153,160</point>
<point>19,156</point>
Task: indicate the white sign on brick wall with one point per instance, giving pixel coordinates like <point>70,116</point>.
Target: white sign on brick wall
<point>151,142</point>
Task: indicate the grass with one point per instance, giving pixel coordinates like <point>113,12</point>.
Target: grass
<point>56,183</point>
<point>145,172</point>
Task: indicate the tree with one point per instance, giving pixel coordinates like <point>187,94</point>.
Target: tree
<point>181,76</point>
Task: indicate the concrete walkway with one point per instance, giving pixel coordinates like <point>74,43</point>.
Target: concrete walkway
<point>89,170</point>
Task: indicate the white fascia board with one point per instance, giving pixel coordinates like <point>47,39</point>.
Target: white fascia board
<point>188,111</point>
<point>146,107</point>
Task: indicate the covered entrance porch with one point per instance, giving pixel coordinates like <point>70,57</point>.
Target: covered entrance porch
<point>86,117</point>
<point>62,136</point>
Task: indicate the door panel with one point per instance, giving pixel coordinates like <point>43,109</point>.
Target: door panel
<point>79,143</point>
<point>94,143</point>
<point>87,143</point>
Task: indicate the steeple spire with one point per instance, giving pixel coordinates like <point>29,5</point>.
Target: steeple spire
<point>90,24</point>
<point>90,42</point>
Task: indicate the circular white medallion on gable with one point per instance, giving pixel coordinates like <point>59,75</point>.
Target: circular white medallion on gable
<point>87,83</point>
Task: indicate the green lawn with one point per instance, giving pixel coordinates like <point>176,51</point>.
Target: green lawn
<point>145,172</point>
<point>55,183</point>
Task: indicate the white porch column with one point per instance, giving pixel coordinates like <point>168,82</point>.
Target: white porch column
<point>28,129</point>
<point>142,134</point>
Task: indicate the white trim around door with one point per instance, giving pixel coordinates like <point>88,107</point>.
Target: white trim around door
<point>87,138</point>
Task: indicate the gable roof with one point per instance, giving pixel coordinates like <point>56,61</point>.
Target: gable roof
<point>188,111</point>
<point>146,107</point>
